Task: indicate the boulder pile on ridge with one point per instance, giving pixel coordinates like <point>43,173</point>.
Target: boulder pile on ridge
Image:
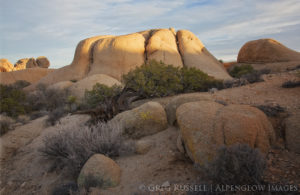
<point>5,65</point>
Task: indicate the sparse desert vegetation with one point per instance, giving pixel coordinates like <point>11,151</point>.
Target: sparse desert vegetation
<point>13,100</point>
<point>148,116</point>
<point>71,148</point>
<point>237,165</point>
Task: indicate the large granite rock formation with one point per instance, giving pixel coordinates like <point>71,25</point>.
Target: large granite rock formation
<point>117,55</point>
<point>266,50</point>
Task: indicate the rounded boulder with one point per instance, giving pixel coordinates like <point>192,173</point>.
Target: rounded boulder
<point>147,119</point>
<point>205,126</point>
<point>103,171</point>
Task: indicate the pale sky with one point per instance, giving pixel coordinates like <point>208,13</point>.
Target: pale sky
<point>52,28</point>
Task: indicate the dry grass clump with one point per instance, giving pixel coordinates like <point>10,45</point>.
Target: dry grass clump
<point>72,147</point>
<point>238,164</point>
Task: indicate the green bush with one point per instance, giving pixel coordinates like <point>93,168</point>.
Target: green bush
<point>193,79</point>
<point>100,93</point>
<point>238,71</point>
<point>12,100</point>
<point>156,79</point>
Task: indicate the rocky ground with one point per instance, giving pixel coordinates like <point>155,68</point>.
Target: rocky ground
<point>25,171</point>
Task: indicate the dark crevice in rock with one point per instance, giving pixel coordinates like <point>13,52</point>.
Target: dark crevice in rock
<point>177,43</point>
<point>151,32</point>
<point>91,55</point>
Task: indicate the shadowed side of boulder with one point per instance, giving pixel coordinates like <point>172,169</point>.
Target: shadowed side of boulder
<point>194,54</point>
<point>162,46</point>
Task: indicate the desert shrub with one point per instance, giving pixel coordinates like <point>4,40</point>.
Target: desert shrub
<point>12,100</point>
<point>72,147</point>
<point>255,76</point>
<point>290,84</point>
<point>244,79</point>
<point>54,101</point>
<point>156,79</point>
<point>237,165</point>
<point>5,124</point>
<point>100,93</point>
<point>238,71</point>
<point>47,98</point>
<point>20,84</point>
<point>196,80</point>
<point>55,115</point>
<point>72,103</point>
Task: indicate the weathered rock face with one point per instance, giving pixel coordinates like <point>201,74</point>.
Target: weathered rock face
<point>32,75</point>
<point>42,62</point>
<point>177,101</point>
<point>266,50</point>
<point>147,119</point>
<point>31,63</point>
<point>162,46</point>
<point>194,54</point>
<point>206,125</point>
<point>292,132</point>
<point>78,88</point>
<point>5,65</point>
<point>118,55</point>
<point>244,124</point>
<point>196,122</point>
<point>102,170</point>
